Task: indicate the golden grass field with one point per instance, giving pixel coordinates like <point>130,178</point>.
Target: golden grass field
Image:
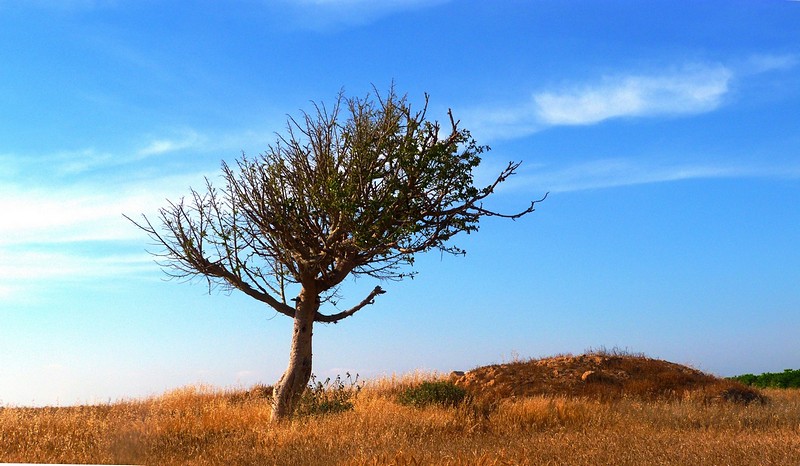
<point>200,426</point>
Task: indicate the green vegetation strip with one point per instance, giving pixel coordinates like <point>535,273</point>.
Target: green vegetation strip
<point>789,378</point>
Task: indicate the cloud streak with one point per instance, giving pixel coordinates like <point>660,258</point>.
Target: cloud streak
<point>190,140</point>
<point>619,172</point>
<point>28,265</point>
<point>87,212</point>
<point>686,90</point>
<point>73,229</point>
<point>691,91</point>
<point>80,195</point>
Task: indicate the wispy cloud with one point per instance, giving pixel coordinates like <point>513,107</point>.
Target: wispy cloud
<point>684,90</point>
<point>30,265</point>
<point>689,91</point>
<point>618,172</point>
<point>692,89</point>
<point>68,165</point>
<point>86,212</point>
<point>190,139</point>
<point>27,265</point>
<point>72,228</point>
<point>79,195</point>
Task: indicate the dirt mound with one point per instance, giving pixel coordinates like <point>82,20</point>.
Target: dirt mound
<point>601,376</point>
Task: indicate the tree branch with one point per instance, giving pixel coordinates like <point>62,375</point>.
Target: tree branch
<point>334,318</point>
<point>190,261</point>
<point>489,213</point>
<point>217,270</point>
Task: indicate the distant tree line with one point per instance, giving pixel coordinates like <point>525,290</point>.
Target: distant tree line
<point>789,378</point>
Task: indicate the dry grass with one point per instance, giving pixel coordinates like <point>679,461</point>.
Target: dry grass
<point>201,426</point>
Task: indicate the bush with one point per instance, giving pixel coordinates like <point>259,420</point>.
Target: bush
<point>430,393</point>
<point>330,396</point>
<point>787,379</point>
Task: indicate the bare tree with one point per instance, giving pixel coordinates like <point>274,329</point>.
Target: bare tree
<point>353,190</point>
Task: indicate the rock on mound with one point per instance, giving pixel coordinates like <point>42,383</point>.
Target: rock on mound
<point>601,376</point>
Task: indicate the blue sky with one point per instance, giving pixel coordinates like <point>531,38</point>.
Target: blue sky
<point>667,133</point>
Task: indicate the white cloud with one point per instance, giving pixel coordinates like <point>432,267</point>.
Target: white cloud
<point>26,272</point>
<point>190,140</point>
<point>229,143</point>
<point>80,195</point>
<point>87,212</point>
<point>77,232</point>
<point>685,90</point>
<point>58,164</point>
<point>692,89</point>
<point>620,172</point>
<point>80,161</point>
<point>61,214</point>
<point>26,265</point>
<point>502,123</point>
<point>69,163</point>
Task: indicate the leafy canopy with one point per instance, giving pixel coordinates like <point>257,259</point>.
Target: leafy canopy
<point>356,189</point>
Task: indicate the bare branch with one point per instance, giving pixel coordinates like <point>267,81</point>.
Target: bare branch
<point>489,213</point>
<point>217,270</point>
<point>335,318</point>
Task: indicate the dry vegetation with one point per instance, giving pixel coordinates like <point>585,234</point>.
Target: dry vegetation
<point>620,416</point>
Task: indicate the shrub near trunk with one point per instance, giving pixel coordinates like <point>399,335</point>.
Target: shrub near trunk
<point>433,393</point>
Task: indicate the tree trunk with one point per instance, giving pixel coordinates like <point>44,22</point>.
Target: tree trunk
<point>290,387</point>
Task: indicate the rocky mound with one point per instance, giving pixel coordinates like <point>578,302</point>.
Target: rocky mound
<point>604,376</point>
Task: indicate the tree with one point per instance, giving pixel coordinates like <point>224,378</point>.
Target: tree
<point>353,190</point>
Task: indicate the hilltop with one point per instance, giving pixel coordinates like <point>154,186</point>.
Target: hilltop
<point>601,375</point>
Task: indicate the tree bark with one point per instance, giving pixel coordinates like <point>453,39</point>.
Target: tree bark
<point>290,387</point>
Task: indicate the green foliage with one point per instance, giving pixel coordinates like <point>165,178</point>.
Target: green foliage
<point>330,396</point>
<point>354,189</point>
<point>430,393</point>
<point>789,378</point>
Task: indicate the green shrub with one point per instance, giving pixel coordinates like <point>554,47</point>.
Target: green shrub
<point>787,379</point>
<point>330,396</point>
<point>429,393</point>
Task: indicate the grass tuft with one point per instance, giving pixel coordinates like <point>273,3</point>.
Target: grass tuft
<point>440,393</point>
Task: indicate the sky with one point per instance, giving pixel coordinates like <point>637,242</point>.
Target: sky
<point>667,134</point>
